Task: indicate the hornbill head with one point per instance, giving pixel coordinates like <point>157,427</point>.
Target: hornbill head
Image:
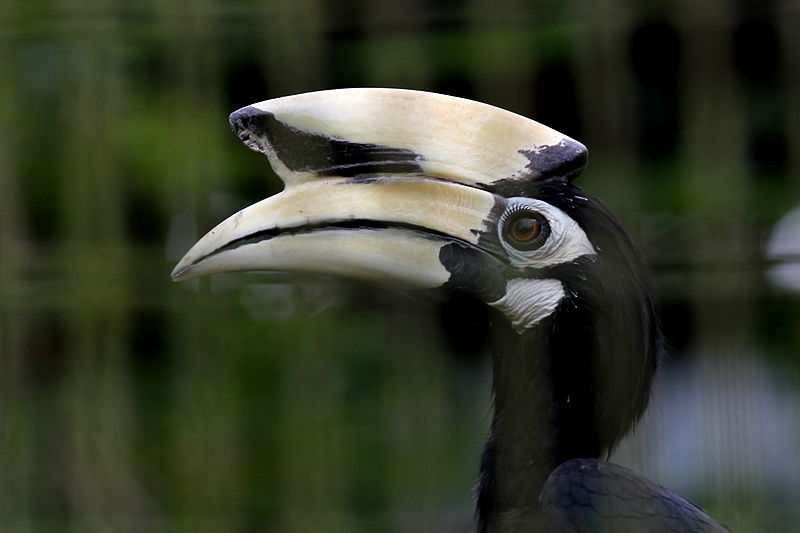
<point>419,190</point>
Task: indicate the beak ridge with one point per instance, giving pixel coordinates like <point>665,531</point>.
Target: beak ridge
<point>348,228</point>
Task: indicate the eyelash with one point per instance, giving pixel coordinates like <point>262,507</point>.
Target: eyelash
<point>506,229</point>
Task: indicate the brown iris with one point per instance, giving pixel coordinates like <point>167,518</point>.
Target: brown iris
<point>525,230</point>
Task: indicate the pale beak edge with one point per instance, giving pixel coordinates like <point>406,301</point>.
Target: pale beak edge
<point>386,230</point>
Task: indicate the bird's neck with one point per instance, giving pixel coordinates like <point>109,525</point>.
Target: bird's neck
<point>532,432</point>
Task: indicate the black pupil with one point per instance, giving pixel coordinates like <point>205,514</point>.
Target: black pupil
<point>525,229</point>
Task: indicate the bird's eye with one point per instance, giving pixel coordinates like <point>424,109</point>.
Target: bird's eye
<point>525,230</point>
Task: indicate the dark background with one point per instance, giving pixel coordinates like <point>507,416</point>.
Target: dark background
<point>246,403</point>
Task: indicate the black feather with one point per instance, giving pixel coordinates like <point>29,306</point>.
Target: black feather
<point>575,384</point>
<point>587,495</point>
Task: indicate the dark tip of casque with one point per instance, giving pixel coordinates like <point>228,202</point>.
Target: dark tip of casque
<point>250,124</point>
<point>564,161</point>
<point>242,120</point>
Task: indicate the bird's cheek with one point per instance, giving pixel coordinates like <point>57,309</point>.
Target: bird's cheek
<point>473,270</point>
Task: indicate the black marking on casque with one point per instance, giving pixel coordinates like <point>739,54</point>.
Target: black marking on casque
<point>317,153</point>
<point>561,162</point>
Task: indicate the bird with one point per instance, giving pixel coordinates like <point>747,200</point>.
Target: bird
<point>410,189</point>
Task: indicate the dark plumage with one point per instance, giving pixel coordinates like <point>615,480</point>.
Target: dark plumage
<point>591,495</point>
<point>426,191</point>
<point>569,389</point>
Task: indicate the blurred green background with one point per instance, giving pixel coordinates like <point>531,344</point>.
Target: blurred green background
<point>252,403</point>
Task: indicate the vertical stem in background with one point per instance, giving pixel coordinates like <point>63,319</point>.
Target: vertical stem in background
<point>16,436</point>
<point>608,105</point>
<point>419,427</point>
<point>203,439</point>
<point>205,462</point>
<point>502,55</point>
<point>397,54</point>
<point>103,491</point>
<point>788,23</point>
<point>790,39</point>
<point>716,191</point>
<point>193,116</point>
<point>312,479</point>
<point>293,46</point>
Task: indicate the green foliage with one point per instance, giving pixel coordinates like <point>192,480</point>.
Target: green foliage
<point>129,403</point>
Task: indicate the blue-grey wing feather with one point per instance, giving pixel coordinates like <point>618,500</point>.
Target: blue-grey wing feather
<point>589,495</point>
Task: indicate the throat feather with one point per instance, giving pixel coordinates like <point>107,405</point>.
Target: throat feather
<point>528,301</point>
<point>521,451</point>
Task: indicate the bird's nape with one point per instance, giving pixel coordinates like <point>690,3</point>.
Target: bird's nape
<point>418,190</point>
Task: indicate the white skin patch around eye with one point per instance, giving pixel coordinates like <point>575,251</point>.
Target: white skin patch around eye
<point>528,301</point>
<point>566,242</point>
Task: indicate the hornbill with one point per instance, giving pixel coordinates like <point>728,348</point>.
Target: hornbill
<point>410,189</point>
